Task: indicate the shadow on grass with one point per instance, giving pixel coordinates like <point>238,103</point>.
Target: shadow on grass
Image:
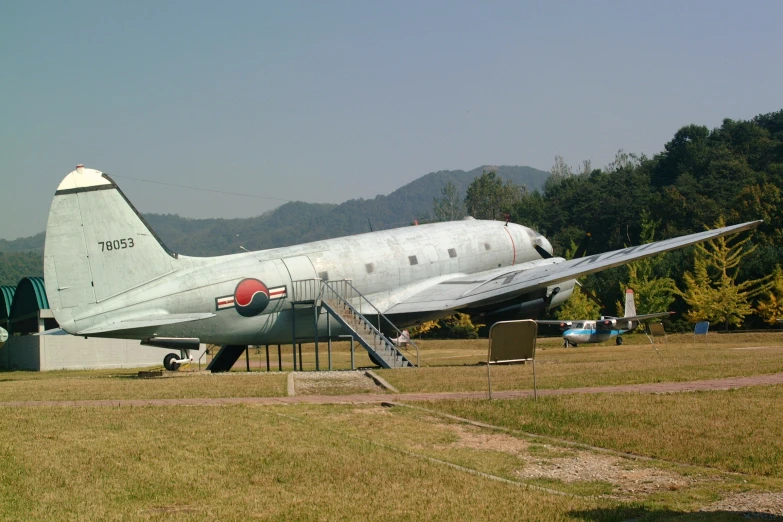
<point>644,514</point>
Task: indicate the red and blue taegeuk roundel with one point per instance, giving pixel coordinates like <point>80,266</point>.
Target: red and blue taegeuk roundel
<point>251,297</point>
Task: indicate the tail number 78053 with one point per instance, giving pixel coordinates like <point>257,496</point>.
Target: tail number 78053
<point>117,244</point>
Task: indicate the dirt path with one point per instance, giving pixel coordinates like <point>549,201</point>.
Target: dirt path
<point>664,387</point>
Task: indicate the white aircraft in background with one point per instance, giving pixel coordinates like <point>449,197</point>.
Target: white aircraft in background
<point>581,331</point>
<point>107,274</point>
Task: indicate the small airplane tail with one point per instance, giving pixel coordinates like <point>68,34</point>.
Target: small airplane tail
<point>97,247</point>
<point>630,304</point>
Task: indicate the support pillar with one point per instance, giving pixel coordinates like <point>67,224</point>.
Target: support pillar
<point>267,357</point>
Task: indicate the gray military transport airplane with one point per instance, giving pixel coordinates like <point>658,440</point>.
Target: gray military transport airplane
<point>107,274</point>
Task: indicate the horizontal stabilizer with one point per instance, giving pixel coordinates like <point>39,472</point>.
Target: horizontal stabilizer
<point>646,316</point>
<point>146,322</point>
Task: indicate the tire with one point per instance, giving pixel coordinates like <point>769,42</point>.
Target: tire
<point>169,364</point>
<point>619,341</point>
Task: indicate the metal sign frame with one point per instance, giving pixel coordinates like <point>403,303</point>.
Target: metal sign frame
<point>512,342</point>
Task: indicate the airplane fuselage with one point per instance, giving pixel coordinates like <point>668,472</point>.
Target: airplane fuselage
<point>586,332</point>
<point>108,274</point>
<point>385,266</point>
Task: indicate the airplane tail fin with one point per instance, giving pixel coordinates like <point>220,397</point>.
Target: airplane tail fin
<point>630,304</point>
<point>97,247</point>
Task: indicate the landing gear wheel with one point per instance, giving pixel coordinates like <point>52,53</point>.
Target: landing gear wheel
<point>169,362</point>
<point>619,340</point>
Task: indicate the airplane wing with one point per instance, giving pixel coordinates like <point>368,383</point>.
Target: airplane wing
<point>145,322</point>
<point>508,282</point>
<point>558,323</point>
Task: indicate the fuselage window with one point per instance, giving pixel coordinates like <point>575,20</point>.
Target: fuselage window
<point>370,267</point>
<point>487,246</point>
<point>413,260</point>
<point>579,325</point>
<point>452,252</point>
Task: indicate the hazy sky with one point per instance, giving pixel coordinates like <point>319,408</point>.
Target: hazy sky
<point>328,101</point>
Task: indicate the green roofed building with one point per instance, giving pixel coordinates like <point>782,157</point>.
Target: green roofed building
<point>37,343</point>
<point>7,296</point>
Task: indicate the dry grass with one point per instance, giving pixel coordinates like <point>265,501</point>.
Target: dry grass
<point>52,386</point>
<point>356,463</point>
<point>593,365</point>
<point>736,430</point>
<point>725,356</point>
<point>320,463</point>
<point>240,463</point>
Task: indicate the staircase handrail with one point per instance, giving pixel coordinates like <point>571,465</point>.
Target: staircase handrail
<point>380,314</point>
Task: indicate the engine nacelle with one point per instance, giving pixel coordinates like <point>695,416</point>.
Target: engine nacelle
<point>564,291</point>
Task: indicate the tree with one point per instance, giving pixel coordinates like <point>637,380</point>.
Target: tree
<point>655,290</point>
<point>488,197</point>
<point>578,306</point>
<point>711,289</point>
<point>624,160</point>
<point>457,326</point>
<point>424,328</point>
<point>771,308</point>
<point>449,206</point>
<point>560,170</point>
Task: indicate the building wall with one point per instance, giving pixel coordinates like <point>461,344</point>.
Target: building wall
<point>67,352</point>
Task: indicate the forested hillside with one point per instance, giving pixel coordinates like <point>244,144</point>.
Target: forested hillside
<point>734,172</point>
<point>288,224</point>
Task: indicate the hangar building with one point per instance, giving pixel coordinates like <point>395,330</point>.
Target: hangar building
<point>35,341</point>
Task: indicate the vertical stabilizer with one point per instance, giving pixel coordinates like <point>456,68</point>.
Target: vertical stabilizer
<point>97,246</point>
<point>630,304</point>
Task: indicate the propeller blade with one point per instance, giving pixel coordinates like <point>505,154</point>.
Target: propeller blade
<point>543,253</point>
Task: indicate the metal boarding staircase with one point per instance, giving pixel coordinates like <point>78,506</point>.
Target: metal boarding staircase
<point>336,297</point>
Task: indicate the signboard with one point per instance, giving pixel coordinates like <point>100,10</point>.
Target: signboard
<point>509,342</point>
<point>701,328</point>
<point>657,330</point>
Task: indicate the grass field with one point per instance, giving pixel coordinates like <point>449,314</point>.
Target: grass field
<point>593,365</point>
<point>552,459</point>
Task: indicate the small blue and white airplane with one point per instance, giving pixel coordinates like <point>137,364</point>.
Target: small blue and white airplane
<point>597,331</point>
